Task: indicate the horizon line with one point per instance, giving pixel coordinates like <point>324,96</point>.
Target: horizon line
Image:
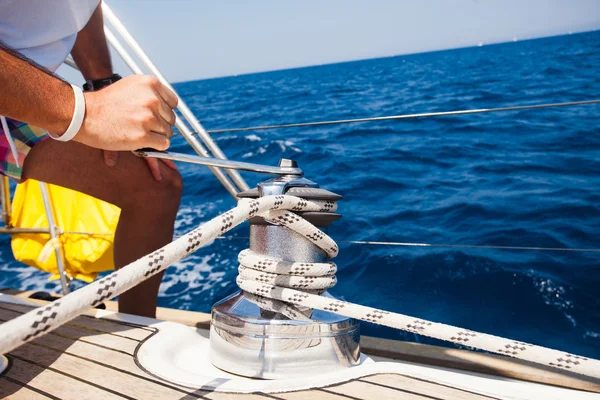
<point>389,56</point>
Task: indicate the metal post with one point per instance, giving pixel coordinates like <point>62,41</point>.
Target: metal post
<point>185,131</point>
<point>282,169</point>
<point>71,63</point>
<point>183,108</point>
<point>255,339</point>
<point>5,189</point>
<point>17,231</point>
<point>55,237</point>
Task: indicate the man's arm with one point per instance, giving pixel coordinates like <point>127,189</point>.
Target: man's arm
<point>90,51</point>
<point>133,113</point>
<point>32,94</point>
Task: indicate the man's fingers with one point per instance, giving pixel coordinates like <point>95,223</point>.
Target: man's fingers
<point>161,126</point>
<point>154,168</point>
<point>170,164</point>
<point>110,157</point>
<point>166,113</point>
<point>168,96</point>
<point>157,141</point>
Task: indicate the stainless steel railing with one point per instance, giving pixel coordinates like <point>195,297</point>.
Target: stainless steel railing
<point>233,182</point>
<point>229,178</point>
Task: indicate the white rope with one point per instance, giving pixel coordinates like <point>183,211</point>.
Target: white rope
<point>300,284</point>
<point>270,281</point>
<point>33,324</point>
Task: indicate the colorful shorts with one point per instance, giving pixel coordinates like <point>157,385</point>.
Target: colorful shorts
<point>25,137</point>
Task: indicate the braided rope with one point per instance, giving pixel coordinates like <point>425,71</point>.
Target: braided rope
<point>287,285</point>
<point>33,324</point>
<point>261,277</point>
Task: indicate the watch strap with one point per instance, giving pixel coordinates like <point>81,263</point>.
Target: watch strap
<point>97,84</point>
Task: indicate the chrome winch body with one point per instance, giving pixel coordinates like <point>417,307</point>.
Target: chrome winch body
<point>251,341</point>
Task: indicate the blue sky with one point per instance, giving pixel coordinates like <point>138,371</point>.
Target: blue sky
<point>195,39</point>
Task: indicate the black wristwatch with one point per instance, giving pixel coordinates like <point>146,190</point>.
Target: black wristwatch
<point>97,84</point>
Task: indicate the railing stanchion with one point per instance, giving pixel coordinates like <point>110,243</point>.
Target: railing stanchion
<point>183,108</point>
<point>5,189</point>
<point>185,131</point>
<point>55,237</point>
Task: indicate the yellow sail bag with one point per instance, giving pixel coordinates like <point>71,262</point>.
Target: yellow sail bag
<point>88,224</point>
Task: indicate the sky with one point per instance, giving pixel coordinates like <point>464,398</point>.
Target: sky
<point>198,39</point>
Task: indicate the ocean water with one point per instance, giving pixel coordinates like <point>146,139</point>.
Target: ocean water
<point>528,178</point>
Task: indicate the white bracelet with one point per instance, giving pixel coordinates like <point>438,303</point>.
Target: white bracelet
<point>77,119</point>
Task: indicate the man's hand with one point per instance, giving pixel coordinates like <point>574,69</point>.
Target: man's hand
<point>91,54</point>
<point>133,113</point>
<point>153,120</point>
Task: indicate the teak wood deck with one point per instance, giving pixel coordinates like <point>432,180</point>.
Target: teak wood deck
<point>95,358</point>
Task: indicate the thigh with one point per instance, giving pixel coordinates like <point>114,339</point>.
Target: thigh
<point>82,168</point>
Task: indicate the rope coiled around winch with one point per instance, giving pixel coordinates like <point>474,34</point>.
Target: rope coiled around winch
<point>281,284</point>
<point>277,284</point>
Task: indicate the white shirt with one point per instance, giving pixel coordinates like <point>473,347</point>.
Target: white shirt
<point>44,30</point>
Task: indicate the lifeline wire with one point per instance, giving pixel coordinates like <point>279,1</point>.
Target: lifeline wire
<point>406,116</point>
<point>469,246</point>
<point>261,277</point>
<point>451,245</point>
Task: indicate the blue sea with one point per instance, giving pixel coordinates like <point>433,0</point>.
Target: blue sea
<point>526,178</point>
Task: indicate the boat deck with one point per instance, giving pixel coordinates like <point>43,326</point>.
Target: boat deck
<point>95,358</point>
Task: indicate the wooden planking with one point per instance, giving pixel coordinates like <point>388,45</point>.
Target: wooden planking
<point>394,386</point>
<point>185,317</point>
<point>9,389</point>
<point>106,340</point>
<point>90,373</point>
<point>103,325</point>
<point>415,352</point>
<point>99,355</point>
<point>476,362</point>
<point>70,355</point>
<point>55,384</point>
<point>94,338</point>
<point>423,387</point>
<point>316,394</point>
<point>114,371</point>
<point>95,364</point>
<point>6,314</point>
<point>106,326</point>
<point>238,396</point>
<point>366,391</point>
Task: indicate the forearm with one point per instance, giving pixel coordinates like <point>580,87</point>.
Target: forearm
<point>90,51</point>
<point>32,94</point>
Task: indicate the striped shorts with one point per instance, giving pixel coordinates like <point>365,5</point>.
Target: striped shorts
<point>25,137</point>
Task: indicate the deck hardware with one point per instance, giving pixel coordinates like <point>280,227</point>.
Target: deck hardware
<point>286,167</point>
<point>249,340</point>
<point>257,342</point>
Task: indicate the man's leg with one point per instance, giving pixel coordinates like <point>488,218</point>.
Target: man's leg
<point>148,207</point>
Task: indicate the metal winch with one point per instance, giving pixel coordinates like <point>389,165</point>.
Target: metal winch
<point>251,341</point>
<point>248,340</point>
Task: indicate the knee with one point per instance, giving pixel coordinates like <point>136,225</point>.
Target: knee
<point>172,184</point>
<point>170,189</point>
<point>156,197</point>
